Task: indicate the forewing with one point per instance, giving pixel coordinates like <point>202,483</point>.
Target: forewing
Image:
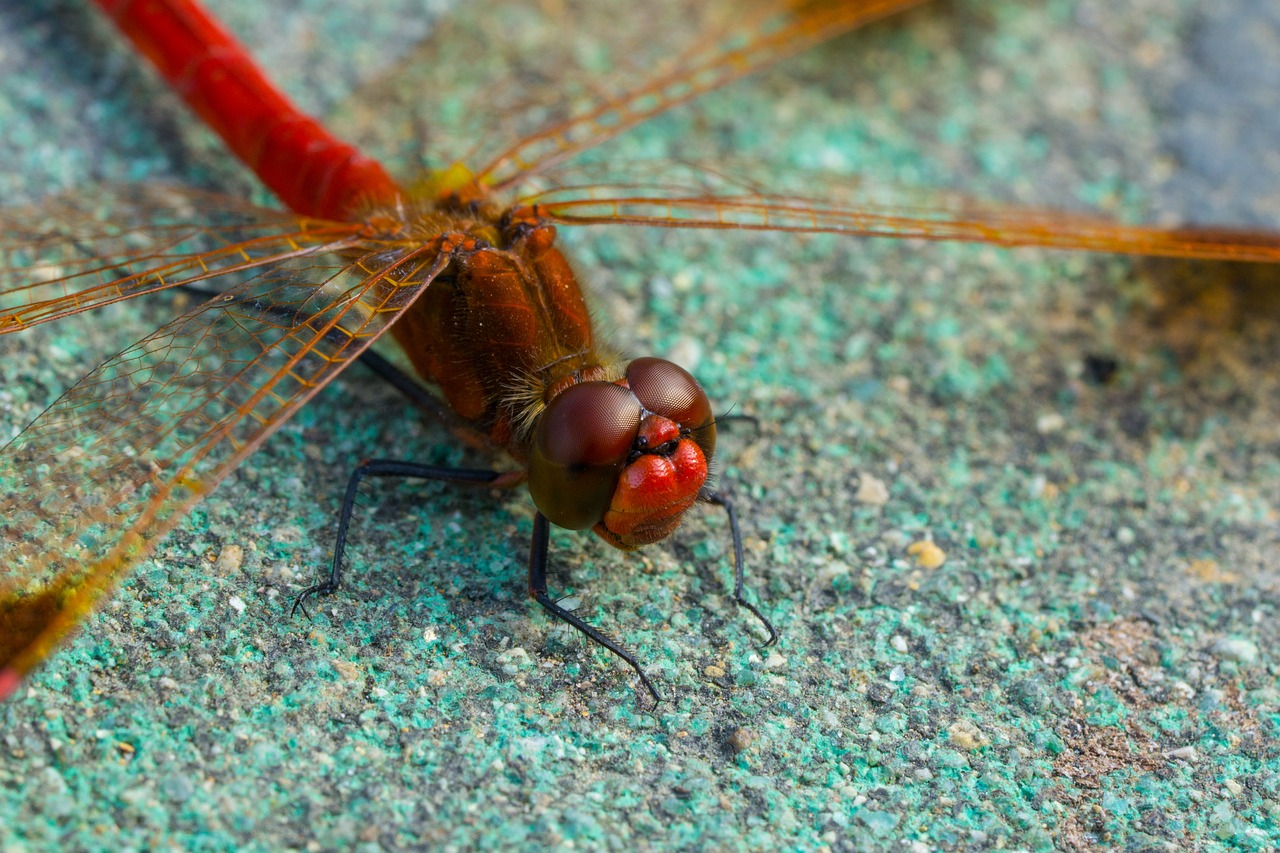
<point>704,198</point>
<point>509,88</point>
<point>64,255</point>
<point>88,488</point>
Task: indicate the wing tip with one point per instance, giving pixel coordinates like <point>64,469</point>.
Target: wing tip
<point>9,681</point>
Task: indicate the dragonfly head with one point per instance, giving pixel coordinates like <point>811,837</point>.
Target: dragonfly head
<point>624,458</point>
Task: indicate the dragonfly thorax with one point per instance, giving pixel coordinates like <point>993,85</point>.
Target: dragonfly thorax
<point>506,334</point>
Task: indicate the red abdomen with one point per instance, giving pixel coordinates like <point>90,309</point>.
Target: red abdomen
<point>309,169</point>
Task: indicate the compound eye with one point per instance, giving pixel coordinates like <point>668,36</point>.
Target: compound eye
<point>669,390</point>
<point>579,448</point>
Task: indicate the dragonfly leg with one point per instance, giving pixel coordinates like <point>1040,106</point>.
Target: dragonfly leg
<point>390,468</point>
<point>538,592</point>
<point>415,393</point>
<point>738,564</point>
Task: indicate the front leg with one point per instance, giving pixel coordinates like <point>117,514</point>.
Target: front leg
<point>538,592</point>
<point>391,468</point>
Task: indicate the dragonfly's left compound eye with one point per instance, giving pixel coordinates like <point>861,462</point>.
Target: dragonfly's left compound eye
<point>580,447</point>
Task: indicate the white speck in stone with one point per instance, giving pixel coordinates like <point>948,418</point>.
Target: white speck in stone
<point>1050,422</point>
<point>1232,648</point>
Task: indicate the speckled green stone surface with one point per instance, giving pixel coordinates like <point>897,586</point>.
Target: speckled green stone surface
<point>1084,657</point>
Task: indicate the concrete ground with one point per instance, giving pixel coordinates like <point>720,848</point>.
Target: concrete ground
<point>1015,512</point>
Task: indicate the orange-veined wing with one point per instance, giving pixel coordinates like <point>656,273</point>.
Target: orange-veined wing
<point>752,39</point>
<point>509,88</point>
<point>711,200</point>
<point>118,460</point>
<point>63,256</point>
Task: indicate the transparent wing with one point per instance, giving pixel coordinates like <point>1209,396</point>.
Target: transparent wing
<point>548,81</point>
<point>63,255</point>
<point>705,198</point>
<point>746,41</point>
<point>510,88</point>
<point>117,461</point>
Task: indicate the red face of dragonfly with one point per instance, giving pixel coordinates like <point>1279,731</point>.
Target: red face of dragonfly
<point>626,459</point>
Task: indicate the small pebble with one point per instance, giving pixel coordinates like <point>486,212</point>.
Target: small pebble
<point>927,554</point>
<point>237,603</point>
<point>831,570</point>
<point>898,643</point>
<point>714,671</point>
<point>513,660</point>
<point>966,735</point>
<point>229,559</point>
<point>1210,572</point>
<point>1229,648</point>
<point>740,740</point>
<point>879,693</point>
<point>871,490</point>
<point>1050,422</point>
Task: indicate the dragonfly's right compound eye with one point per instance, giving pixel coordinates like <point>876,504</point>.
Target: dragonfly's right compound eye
<point>581,444</point>
<point>667,389</point>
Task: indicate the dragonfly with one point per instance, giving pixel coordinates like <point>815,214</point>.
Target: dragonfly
<point>460,267</point>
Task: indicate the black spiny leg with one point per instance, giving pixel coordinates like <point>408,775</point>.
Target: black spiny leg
<point>738,564</point>
<point>384,468</point>
<point>538,592</point>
